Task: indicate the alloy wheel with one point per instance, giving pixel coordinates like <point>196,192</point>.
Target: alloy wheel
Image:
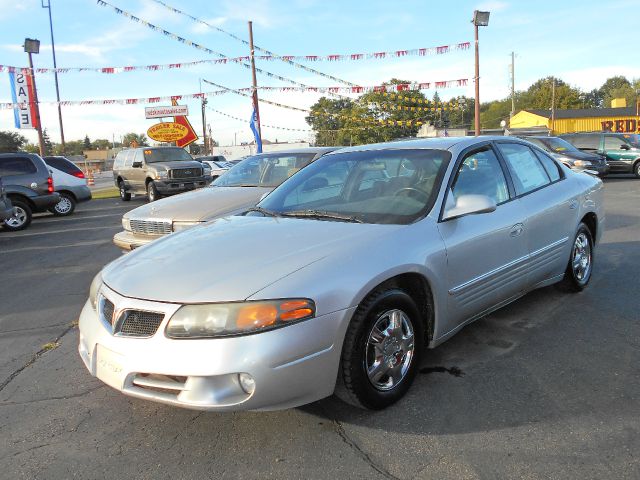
<point>581,258</point>
<point>18,219</point>
<point>63,206</point>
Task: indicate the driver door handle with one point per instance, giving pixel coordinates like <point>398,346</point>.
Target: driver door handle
<point>516,230</point>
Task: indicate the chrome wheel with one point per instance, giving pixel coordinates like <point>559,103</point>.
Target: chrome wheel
<point>18,219</point>
<point>64,206</point>
<point>581,257</point>
<point>389,350</point>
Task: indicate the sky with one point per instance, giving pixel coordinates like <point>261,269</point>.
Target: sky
<point>582,42</point>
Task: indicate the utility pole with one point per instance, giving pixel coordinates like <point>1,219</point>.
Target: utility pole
<point>253,76</point>
<point>204,120</point>
<point>513,84</point>
<point>480,19</point>
<point>33,46</point>
<point>553,104</point>
<point>55,74</point>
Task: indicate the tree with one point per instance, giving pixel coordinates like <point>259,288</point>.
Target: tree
<point>87,142</point>
<point>140,139</point>
<point>11,142</point>
<point>31,148</point>
<point>47,145</point>
<point>612,85</point>
<point>100,144</point>
<point>539,95</point>
<point>327,118</point>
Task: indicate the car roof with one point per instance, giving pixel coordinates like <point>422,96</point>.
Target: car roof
<point>437,143</point>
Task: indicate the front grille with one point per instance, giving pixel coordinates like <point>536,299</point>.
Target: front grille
<point>106,307</point>
<point>150,227</point>
<point>138,323</point>
<point>185,172</point>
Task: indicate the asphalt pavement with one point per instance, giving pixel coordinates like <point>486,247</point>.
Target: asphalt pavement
<point>547,387</point>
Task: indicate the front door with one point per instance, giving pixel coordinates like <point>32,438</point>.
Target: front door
<point>486,253</point>
<point>620,153</point>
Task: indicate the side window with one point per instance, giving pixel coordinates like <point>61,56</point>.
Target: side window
<point>612,142</point>
<point>480,173</point>
<point>552,168</point>
<point>16,166</point>
<point>587,141</point>
<point>526,170</point>
<point>138,156</point>
<point>128,159</point>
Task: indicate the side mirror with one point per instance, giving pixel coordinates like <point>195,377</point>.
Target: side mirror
<point>137,164</point>
<point>470,205</point>
<point>624,146</point>
<point>315,183</point>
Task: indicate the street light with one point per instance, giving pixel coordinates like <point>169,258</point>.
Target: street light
<point>480,19</point>
<point>31,46</point>
<point>55,72</point>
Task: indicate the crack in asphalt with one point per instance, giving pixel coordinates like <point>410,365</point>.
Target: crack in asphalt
<point>46,399</point>
<point>29,329</point>
<point>34,358</point>
<point>356,448</point>
<point>455,371</point>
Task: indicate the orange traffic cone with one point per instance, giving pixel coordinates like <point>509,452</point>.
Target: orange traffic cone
<point>90,180</point>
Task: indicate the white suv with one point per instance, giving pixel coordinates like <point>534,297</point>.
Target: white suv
<point>69,182</point>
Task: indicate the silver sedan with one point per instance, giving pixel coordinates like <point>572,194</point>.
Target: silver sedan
<point>342,277</point>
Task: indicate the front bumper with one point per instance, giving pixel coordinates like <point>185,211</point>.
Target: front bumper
<point>601,169</point>
<point>290,366</point>
<point>172,186</point>
<point>127,240</point>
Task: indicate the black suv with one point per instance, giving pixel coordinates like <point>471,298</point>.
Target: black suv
<point>157,171</point>
<point>28,183</point>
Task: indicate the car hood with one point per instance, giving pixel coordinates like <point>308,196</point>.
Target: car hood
<point>591,157</point>
<point>200,205</point>
<point>231,258</point>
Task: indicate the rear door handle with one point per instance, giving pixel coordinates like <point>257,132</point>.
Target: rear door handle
<point>516,230</point>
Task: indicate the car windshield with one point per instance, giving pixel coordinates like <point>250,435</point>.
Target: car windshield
<point>390,186</point>
<point>264,170</point>
<point>558,145</point>
<point>155,155</point>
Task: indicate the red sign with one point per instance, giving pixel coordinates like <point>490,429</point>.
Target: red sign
<point>190,136</point>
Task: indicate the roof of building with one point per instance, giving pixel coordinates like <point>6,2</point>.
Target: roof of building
<point>586,112</point>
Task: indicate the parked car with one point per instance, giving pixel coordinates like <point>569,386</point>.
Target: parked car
<point>156,171</point>
<point>6,207</point>
<point>342,276</point>
<point>573,158</point>
<point>218,164</point>
<point>70,184</point>
<point>29,184</point>
<point>622,150</point>
<point>235,192</point>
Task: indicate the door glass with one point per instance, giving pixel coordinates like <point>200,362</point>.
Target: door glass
<point>587,141</point>
<point>526,170</point>
<point>16,166</point>
<point>614,143</point>
<point>128,160</point>
<point>549,165</point>
<point>481,174</point>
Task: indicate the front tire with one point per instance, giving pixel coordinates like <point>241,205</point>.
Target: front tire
<point>152,192</point>
<point>382,350</point>
<point>124,195</point>
<point>65,206</point>
<point>580,266</point>
<point>636,169</point>
<point>21,218</point>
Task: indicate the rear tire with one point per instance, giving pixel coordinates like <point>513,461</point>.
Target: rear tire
<point>21,219</point>
<point>636,169</point>
<point>382,350</point>
<point>124,195</point>
<point>152,192</point>
<point>66,206</point>
<point>580,266</point>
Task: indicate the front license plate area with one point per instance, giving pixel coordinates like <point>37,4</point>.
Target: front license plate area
<point>109,367</point>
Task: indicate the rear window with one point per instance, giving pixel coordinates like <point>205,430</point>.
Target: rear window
<point>166,155</point>
<point>62,164</point>
<point>16,166</point>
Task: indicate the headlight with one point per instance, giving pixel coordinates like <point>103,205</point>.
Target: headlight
<point>161,174</point>
<point>179,226</point>
<point>224,319</point>
<point>94,289</point>
<point>126,224</point>
<point>582,163</point>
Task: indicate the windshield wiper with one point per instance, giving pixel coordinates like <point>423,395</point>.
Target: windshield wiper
<point>264,211</point>
<point>320,215</point>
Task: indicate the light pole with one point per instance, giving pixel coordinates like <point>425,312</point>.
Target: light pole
<point>55,74</point>
<point>32,46</point>
<point>480,19</point>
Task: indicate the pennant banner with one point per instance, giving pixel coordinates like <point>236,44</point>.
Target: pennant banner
<point>224,61</point>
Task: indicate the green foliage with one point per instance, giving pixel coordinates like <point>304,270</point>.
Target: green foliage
<point>73,147</point>
<point>139,138</point>
<point>100,144</point>
<point>47,145</point>
<point>11,142</point>
<point>87,142</point>
<point>31,148</point>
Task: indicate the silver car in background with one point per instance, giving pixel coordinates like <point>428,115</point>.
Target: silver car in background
<point>240,188</point>
<point>341,277</point>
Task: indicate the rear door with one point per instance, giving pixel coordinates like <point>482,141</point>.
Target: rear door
<point>551,208</point>
<point>486,253</point>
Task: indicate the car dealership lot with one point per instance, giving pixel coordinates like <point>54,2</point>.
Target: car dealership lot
<point>546,387</point>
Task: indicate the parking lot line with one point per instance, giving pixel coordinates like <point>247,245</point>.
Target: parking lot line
<point>50,247</point>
